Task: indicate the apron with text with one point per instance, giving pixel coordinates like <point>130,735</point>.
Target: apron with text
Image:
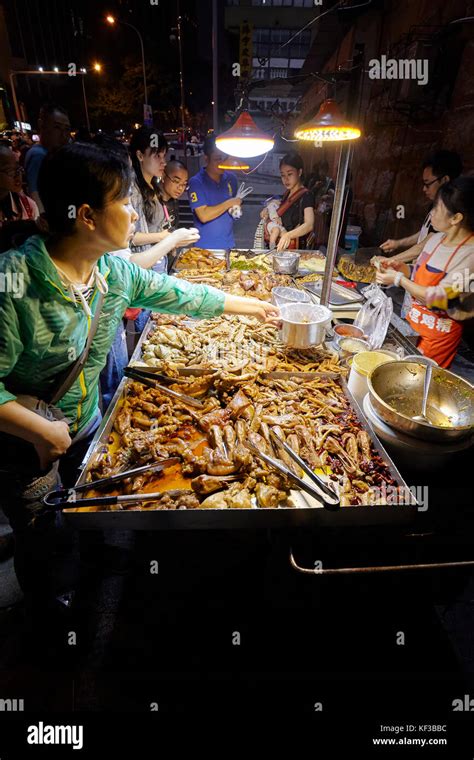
<point>439,334</point>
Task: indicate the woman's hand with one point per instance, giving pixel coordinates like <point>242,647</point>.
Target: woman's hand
<point>390,246</point>
<point>264,214</point>
<point>386,278</point>
<point>53,443</point>
<point>264,311</point>
<point>284,242</point>
<point>380,262</point>
<point>183,236</point>
<point>252,307</point>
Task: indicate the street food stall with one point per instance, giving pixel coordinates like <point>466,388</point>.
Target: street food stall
<point>219,424</point>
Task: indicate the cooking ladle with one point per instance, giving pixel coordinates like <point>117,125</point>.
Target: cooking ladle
<point>426,387</point>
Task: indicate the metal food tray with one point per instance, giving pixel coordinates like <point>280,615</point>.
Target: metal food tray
<point>190,321</point>
<point>220,253</point>
<point>238,519</point>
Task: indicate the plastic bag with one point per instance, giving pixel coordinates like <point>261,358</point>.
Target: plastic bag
<point>375,315</point>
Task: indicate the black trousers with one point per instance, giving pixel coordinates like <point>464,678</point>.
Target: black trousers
<point>46,556</point>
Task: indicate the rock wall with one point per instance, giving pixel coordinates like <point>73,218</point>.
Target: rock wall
<point>386,165</point>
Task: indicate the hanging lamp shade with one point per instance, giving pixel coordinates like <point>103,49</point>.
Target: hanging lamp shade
<point>234,164</point>
<point>244,139</point>
<point>329,125</point>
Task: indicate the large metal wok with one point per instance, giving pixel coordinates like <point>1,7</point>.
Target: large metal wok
<point>396,393</point>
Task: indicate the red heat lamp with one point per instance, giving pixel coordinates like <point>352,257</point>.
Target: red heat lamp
<point>329,125</point>
<point>244,139</point>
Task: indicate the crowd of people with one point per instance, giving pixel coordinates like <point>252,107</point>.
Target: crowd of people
<point>91,231</point>
<point>108,220</point>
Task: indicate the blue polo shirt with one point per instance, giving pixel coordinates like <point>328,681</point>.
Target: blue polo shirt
<point>203,191</point>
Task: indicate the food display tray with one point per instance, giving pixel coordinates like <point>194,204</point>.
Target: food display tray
<point>238,519</point>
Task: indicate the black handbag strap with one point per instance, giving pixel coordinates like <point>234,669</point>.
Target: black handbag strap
<point>72,373</point>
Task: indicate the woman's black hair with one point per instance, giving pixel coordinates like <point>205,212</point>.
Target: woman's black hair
<point>76,174</point>
<point>103,140</point>
<point>143,138</point>
<point>292,159</point>
<point>458,197</point>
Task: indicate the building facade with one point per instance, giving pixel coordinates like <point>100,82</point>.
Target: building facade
<point>279,48</point>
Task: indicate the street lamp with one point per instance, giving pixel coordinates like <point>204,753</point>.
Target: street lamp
<point>329,125</point>
<point>112,21</point>
<point>40,71</point>
<point>97,67</point>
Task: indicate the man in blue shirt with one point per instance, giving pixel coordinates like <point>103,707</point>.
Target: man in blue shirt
<point>211,195</point>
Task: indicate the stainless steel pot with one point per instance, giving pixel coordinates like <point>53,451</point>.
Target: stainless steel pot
<point>303,324</point>
<point>396,393</point>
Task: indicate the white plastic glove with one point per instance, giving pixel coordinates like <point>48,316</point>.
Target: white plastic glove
<point>183,236</point>
<point>242,192</point>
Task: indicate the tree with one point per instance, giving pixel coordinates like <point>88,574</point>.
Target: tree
<point>117,104</point>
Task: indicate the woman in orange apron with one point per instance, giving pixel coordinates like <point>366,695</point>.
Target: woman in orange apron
<point>453,214</point>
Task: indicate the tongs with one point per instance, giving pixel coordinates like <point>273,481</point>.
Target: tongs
<point>319,482</point>
<point>149,378</point>
<point>61,497</point>
<point>318,491</point>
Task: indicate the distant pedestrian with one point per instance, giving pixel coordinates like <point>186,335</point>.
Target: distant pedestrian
<point>55,131</point>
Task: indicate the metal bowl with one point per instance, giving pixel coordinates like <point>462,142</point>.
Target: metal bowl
<point>396,393</point>
<point>286,262</point>
<point>304,325</point>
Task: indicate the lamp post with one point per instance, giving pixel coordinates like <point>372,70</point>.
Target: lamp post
<point>112,20</point>
<point>329,125</point>
<point>181,78</point>
<point>215,68</point>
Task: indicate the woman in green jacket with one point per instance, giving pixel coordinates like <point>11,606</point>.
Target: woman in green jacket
<point>49,289</point>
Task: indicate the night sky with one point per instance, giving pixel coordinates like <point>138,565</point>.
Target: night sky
<point>52,33</point>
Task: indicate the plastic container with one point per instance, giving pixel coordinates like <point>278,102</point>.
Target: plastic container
<point>350,346</point>
<point>351,242</point>
<point>286,262</point>
<point>362,365</point>
<point>348,331</point>
<point>303,324</point>
<point>282,296</point>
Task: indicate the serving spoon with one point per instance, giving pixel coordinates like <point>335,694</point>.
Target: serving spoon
<point>426,387</point>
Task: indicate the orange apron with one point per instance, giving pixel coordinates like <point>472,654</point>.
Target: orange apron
<point>439,334</point>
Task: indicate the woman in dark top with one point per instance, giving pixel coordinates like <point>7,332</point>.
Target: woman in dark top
<point>296,210</point>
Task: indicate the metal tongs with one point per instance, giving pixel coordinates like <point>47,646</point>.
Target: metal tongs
<point>150,378</point>
<point>319,482</point>
<point>317,488</point>
<point>62,498</point>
